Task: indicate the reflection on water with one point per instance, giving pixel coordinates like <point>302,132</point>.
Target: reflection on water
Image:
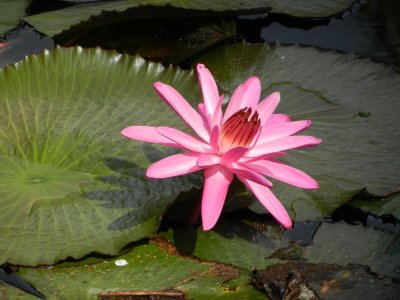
<point>22,42</point>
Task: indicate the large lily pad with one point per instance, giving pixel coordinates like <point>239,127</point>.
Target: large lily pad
<point>152,267</point>
<point>54,22</point>
<point>353,104</point>
<point>70,183</point>
<point>10,13</point>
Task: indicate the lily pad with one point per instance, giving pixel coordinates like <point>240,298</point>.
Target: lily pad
<point>352,103</point>
<point>254,243</point>
<point>11,11</point>
<point>345,244</point>
<point>70,183</point>
<point>54,22</point>
<point>153,267</point>
<point>235,243</point>
<point>380,207</point>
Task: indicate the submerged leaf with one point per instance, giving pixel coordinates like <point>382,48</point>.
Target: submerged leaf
<point>167,40</point>
<point>54,22</point>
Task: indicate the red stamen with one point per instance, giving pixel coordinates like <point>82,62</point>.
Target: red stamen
<point>239,130</point>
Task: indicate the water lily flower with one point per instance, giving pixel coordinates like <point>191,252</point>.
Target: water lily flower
<point>244,141</point>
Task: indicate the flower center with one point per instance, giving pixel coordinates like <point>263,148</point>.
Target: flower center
<point>239,130</point>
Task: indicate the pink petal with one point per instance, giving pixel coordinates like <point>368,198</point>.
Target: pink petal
<point>208,160</point>
<point>148,134</point>
<point>214,138</point>
<point>285,143</point>
<point>217,119</point>
<point>284,173</point>
<point>270,202</point>
<point>175,100</point>
<point>251,93</point>
<point>184,139</point>
<point>280,130</point>
<point>234,103</point>
<point>216,184</point>
<point>258,167</point>
<point>242,171</point>
<point>175,165</point>
<point>277,118</point>
<point>206,119</point>
<point>268,106</point>
<point>265,156</point>
<point>233,154</point>
<point>209,89</point>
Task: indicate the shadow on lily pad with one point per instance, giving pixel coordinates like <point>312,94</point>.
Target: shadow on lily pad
<point>130,189</point>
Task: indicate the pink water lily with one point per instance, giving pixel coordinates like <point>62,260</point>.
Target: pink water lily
<point>244,141</point>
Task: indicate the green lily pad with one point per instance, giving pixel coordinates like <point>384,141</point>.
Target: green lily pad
<point>253,243</point>
<point>54,22</point>
<point>152,267</point>
<point>70,183</point>
<point>11,11</point>
<point>380,207</point>
<point>235,243</point>
<point>345,244</point>
<point>353,105</point>
<point>24,183</point>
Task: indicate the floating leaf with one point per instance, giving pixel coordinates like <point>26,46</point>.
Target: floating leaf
<point>10,13</point>
<point>253,243</point>
<point>70,183</point>
<point>54,22</point>
<point>352,103</point>
<point>235,243</point>
<point>380,207</point>
<point>147,267</point>
<point>345,244</point>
